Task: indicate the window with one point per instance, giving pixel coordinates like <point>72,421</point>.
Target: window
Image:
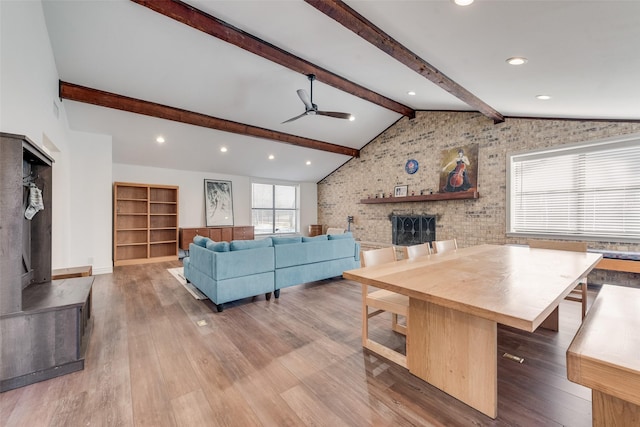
<point>587,191</point>
<point>274,208</point>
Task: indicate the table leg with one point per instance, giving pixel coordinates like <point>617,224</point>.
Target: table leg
<point>552,322</point>
<point>455,352</point>
<point>608,410</point>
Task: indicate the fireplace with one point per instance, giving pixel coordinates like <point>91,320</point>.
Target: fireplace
<point>413,230</point>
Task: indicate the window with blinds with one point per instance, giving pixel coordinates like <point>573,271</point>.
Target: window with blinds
<point>588,191</point>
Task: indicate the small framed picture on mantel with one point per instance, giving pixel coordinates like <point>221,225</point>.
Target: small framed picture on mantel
<point>400,191</point>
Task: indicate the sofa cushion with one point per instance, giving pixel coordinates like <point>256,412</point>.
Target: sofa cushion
<point>314,238</point>
<point>314,251</point>
<point>217,246</point>
<point>241,245</point>
<point>201,240</point>
<point>286,240</point>
<point>347,235</point>
<point>241,263</point>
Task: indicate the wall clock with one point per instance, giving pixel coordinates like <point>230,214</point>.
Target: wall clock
<point>411,167</point>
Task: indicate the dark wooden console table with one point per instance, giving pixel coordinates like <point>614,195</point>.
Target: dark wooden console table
<point>217,234</point>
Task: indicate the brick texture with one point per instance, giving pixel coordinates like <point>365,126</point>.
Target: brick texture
<point>472,222</point>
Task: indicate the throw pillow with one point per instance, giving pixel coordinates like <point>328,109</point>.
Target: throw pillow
<point>286,240</point>
<point>217,246</point>
<point>314,238</point>
<point>240,245</point>
<point>201,240</point>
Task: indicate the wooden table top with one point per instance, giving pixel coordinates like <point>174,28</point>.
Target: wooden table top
<point>605,353</point>
<point>512,285</point>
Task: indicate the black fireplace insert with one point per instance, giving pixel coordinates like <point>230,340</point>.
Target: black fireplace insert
<point>413,230</point>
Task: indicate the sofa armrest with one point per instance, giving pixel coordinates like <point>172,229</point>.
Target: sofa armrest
<point>202,259</point>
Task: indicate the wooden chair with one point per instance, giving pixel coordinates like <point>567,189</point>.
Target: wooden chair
<point>415,251</point>
<point>441,246</point>
<point>383,300</point>
<point>579,293</point>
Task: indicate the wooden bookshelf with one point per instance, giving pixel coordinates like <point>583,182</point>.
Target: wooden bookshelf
<point>462,195</point>
<point>145,223</point>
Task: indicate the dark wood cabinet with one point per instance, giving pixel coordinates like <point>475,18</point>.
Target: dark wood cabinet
<point>44,324</point>
<point>224,234</point>
<point>243,233</point>
<point>217,234</point>
<point>187,235</point>
<point>315,230</point>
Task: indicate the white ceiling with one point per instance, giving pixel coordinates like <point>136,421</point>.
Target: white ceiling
<point>584,54</point>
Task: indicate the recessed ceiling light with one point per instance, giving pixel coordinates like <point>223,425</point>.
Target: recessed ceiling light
<point>308,162</point>
<point>223,149</point>
<point>463,2</point>
<point>517,60</point>
<point>352,118</point>
<point>543,97</point>
<point>160,140</point>
<point>411,93</point>
<point>271,157</point>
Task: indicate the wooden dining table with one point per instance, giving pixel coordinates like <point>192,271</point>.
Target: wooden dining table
<point>457,299</point>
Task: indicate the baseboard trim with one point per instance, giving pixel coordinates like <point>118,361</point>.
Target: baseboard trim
<point>46,374</point>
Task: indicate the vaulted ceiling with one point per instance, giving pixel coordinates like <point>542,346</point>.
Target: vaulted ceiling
<point>211,74</point>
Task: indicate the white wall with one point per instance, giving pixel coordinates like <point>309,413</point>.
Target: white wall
<point>91,204</point>
<point>191,203</point>
<point>29,79</point>
<point>308,206</point>
<point>28,104</point>
<point>83,172</point>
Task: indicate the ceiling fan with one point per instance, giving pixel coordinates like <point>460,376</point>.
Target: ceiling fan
<point>311,109</point>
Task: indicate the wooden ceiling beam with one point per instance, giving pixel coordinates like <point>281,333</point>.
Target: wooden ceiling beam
<point>339,11</point>
<point>101,98</point>
<point>215,27</point>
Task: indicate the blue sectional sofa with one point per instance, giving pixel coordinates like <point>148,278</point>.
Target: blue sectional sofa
<point>226,272</point>
<point>307,259</point>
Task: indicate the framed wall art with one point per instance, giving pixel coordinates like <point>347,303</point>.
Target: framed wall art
<point>218,202</point>
<point>400,191</point>
<point>459,169</point>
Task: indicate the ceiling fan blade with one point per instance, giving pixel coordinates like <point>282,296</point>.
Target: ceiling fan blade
<point>305,99</point>
<point>334,114</point>
<point>294,118</point>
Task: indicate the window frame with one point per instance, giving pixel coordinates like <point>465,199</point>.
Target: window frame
<point>632,140</point>
<point>273,207</point>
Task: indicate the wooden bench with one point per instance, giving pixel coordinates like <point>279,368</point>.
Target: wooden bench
<point>605,356</point>
<point>68,273</point>
<point>627,262</point>
<point>624,265</point>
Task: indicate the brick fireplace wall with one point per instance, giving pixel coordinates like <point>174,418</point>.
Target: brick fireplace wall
<point>472,222</point>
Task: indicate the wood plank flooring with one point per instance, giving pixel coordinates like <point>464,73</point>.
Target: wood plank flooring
<point>292,361</point>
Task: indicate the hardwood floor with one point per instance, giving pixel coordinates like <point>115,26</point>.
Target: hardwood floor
<point>292,361</point>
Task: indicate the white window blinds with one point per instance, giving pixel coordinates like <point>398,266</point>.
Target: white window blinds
<point>589,191</point>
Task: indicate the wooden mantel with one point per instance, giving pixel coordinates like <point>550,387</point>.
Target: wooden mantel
<point>462,195</point>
